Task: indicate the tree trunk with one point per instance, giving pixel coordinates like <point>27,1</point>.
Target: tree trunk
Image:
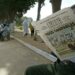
<point>39,9</point>
<point>38,17</point>
<point>56,5</point>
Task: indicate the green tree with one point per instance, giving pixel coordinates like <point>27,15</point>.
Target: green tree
<point>9,8</point>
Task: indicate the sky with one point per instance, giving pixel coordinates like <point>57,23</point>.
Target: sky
<point>47,9</point>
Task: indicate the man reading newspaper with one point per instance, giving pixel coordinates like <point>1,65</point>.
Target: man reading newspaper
<point>58,32</point>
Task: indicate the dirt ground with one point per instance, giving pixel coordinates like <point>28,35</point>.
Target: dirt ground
<point>30,40</point>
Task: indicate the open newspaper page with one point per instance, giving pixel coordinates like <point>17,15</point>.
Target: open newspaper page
<point>58,32</point>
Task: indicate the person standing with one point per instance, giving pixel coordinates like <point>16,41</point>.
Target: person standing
<point>25,27</point>
<point>31,29</point>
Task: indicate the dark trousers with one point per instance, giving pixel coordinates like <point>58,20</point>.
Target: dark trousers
<point>32,32</point>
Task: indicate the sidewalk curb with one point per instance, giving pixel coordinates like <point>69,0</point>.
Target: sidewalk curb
<point>37,50</point>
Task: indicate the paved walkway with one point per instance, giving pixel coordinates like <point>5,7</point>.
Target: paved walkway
<point>15,58</point>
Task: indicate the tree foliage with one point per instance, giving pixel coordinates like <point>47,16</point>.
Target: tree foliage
<point>9,8</point>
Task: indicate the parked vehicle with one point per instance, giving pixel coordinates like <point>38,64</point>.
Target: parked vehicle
<point>4,32</point>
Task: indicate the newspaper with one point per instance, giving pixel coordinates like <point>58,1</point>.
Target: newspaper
<point>58,32</point>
